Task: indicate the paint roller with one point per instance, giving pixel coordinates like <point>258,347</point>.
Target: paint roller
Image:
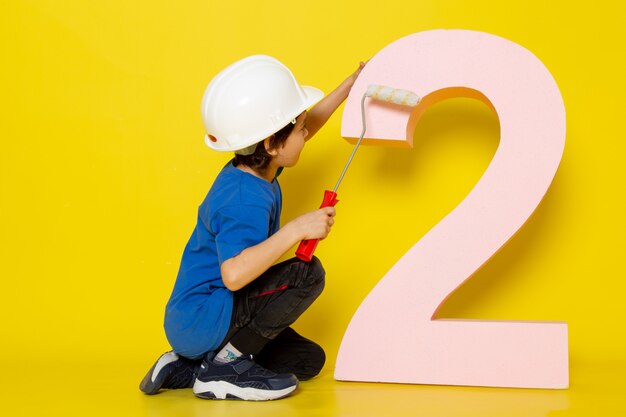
<point>379,92</point>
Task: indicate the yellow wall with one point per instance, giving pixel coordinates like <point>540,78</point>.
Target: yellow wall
<point>103,164</point>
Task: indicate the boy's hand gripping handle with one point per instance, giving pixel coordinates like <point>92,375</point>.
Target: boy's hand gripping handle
<point>307,247</point>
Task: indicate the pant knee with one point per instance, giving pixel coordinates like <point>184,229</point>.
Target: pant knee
<point>316,275</point>
<point>316,268</point>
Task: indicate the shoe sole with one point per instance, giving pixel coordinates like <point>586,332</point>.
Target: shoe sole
<point>222,390</point>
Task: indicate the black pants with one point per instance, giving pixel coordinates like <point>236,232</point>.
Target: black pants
<point>264,310</point>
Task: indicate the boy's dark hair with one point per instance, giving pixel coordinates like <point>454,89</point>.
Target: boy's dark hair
<point>260,159</point>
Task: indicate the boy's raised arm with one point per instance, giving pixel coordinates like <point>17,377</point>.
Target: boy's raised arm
<point>321,112</point>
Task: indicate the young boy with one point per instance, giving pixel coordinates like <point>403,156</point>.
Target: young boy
<point>228,317</point>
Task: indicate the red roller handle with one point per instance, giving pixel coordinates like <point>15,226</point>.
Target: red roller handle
<point>307,247</point>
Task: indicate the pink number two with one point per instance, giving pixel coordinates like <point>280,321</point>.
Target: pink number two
<point>437,65</point>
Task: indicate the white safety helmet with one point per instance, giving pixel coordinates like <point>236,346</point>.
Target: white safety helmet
<point>249,101</point>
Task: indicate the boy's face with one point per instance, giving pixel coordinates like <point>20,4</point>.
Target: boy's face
<point>289,153</point>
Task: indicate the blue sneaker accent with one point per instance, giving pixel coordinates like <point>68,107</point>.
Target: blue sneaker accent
<point>170,372</point>
<point>241,379</point>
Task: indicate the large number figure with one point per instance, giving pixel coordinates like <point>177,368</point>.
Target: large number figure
<point>437,65</point>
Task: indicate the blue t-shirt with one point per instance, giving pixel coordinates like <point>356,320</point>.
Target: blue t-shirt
<point>240,210</point>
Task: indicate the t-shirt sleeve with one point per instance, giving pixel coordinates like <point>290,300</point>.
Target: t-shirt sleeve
<point>239,227</point>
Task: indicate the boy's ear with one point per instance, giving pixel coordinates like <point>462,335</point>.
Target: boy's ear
<point>268,149</point>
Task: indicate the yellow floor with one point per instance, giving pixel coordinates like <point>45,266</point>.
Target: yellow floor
<point>108,387</point>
